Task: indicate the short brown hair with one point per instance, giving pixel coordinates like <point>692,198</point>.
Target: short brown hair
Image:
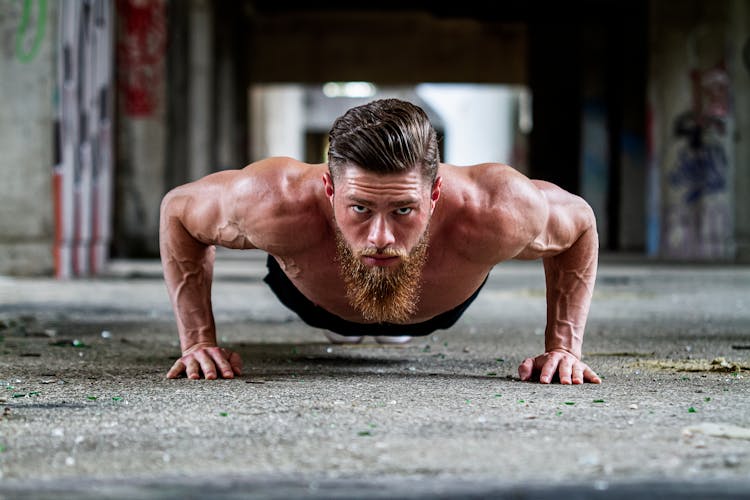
<point>384,136</point>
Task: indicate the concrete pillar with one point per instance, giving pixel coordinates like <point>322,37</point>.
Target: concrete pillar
<point>82,181</point>
<point>141,75</point>
<point>201,89</point>
<point>739,71</point>
<point>230,95</point>
<point>27,114</point>
<point>693,112</point>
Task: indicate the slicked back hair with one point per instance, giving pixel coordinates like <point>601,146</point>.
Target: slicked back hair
<point>384,136</point>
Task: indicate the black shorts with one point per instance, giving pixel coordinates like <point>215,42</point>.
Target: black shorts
<point>318,317</point>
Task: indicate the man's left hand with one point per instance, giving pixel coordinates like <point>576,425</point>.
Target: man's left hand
<point>569,369</point>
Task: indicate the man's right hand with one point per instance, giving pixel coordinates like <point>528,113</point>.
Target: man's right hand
<point>211,362</point>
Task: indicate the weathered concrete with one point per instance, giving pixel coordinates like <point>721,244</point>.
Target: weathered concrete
<point>443,417</point>
<point>27,78</point>
<point>699,154</point>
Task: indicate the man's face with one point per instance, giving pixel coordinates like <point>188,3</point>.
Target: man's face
<point>381,225</point>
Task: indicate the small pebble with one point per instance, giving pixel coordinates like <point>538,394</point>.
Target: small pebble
<point>731,461</point>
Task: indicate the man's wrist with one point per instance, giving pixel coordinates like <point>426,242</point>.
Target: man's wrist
<point>557,348</point>
<point>198,346</point>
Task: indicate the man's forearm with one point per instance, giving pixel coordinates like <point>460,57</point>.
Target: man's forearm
<point>188,272</point>
<point>570,278</point>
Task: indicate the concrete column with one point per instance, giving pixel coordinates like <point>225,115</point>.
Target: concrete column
<point>27,114</point>
<point>692,156</point>
<point>739,71</point>
<point>141,76</point>
<point>230,95</point>
<point>201,68</point>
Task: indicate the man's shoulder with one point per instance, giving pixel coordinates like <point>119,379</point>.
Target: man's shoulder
<point>489,185</point>
<point>279,179</point>
<point>283,199</point>
<point>493,206</point>
<point>282,169</point>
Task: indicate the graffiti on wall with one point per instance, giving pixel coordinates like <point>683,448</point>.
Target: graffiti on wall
<point>141,49</point>
<point>23,26</point>
<point>698,222</point>
<point>82,176</point>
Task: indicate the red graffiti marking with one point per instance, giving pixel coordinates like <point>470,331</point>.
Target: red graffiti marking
<point>710,91</point>
<point>140,51</point>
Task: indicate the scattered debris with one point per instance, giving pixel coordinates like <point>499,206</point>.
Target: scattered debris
<point>693,365</point>
<point>25,394</point>
<point>69,343</point>
<point>714,429</point>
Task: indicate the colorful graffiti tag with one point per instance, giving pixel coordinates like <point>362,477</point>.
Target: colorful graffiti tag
<point>141,48</point>
<point>23,27</point>
<point>82,176</point>
<point>698,222</point>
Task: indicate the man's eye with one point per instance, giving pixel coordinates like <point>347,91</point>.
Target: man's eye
<point>404,210</point>
<point>359,209</point>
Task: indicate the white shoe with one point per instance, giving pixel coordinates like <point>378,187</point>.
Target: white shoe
<point>335,338</point>
<point>388,339</point>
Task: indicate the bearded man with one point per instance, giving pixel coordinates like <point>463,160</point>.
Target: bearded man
<point>382,241</point>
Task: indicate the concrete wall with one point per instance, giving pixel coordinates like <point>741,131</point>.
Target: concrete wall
<point>27,77</point>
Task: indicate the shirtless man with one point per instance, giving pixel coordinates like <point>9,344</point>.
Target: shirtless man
<point>383,240</point>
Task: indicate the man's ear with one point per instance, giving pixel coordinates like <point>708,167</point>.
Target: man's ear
<point>328,184</point>
<point>435,194</point>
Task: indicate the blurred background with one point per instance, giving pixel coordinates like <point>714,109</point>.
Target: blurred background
<point>640,106</point>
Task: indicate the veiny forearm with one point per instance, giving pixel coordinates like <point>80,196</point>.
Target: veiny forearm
<point>570,278</point>
<point>188,272</point>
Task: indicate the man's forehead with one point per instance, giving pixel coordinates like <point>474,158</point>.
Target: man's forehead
<point>355,174</point>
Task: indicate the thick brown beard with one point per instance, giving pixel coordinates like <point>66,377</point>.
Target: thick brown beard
<point>383,294</point>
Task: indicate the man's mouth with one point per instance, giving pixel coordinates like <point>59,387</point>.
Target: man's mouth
<point>380,260</point>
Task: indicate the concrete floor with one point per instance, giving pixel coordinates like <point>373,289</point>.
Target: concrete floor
<point>89,414</point>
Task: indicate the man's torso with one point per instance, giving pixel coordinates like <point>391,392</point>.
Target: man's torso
<point>465,242</point>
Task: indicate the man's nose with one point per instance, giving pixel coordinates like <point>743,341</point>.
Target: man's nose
<point>381,235</point>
